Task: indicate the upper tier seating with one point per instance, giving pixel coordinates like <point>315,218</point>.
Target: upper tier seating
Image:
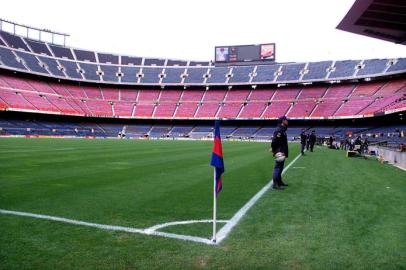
<point>39,57</point>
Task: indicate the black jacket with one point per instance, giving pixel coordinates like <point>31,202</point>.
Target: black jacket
<point>280,141</point>
<point>312,138</point>
<point>303,138</point>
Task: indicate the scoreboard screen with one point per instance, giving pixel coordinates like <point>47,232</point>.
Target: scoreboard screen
<point>245,53</point>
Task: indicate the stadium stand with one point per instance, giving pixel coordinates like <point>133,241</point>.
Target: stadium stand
<point>49,79</point>
<point>340,100</point>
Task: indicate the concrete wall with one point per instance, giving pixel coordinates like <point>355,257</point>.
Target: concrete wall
<point>392,156</point>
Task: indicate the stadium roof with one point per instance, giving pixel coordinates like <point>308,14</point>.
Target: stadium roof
<point>382,19</point>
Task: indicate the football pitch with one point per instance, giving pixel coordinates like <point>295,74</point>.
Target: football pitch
<point>337,213</point>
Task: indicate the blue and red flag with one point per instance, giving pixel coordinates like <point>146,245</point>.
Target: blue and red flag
<point>217,157</point>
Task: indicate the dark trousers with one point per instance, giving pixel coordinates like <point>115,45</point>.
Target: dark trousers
<point>311,147</point>
<point>277,173</point>
<point>302,148</point>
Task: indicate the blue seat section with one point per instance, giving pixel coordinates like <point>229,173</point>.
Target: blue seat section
<point>90,71</point>
<point>241,74</point>
<point>40,127</point>
<point>265,73</point>
<point>107,58</point>
<point>137,130</point>
<point>31,62</point>
<point>245,131</point>
<point>226,131</point>
<point>70,69</point>
<point>195,75</point>
<point>109,73</point>
<point>341,131</point>
<point>111,130</point>
<point>317,70</point>
<point>159,131</point>
<point>4,123</point>
<point>199,63</point>
<point>218,75</point>
<point>130,60</point>
<point>8,59</point>
<point>38,47</point>
<point>154,62</point>
<point>52,66</point>
<point>291,72</point>
<point>173,75</point>
<point>373,66</point>
<point>203,129</point>
<point>151,75</point>
<point>322,131</point>
<point>265,133</point>
<point>344,69</point>
<point>200,132</point>
<point>61,52</point>
<point>176,63</point>
<point>295,132</point>
<point>130,74</point>
<point>181,131</point>
<point>400,65</point>
<point>83,55</point>
<point>14,41</point>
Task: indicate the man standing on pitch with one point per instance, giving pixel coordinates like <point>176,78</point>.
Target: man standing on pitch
<point>279,148</point>
<point>303,139</point>
<point>312,140</point>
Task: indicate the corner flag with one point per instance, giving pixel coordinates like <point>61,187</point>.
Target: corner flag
<point>218,164</point>
<point>217,158</point>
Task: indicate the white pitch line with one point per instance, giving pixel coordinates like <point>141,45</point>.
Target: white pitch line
<point>109,227</point>
<point>160,226</point>
<point>223,232</point>
<point>184,237</point>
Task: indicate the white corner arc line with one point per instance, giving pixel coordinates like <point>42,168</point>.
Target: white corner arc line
<point>109,227</point>
<point>174,223</point>
<point>184,237</point>
<point>226,229</point>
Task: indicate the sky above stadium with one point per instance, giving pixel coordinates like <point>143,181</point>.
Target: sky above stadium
<point>187,29</point>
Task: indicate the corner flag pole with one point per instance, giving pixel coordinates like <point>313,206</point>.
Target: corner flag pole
<point>214,207</point>
<point>218,164</point>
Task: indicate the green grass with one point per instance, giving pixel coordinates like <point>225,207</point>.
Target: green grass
<point>337,213</point>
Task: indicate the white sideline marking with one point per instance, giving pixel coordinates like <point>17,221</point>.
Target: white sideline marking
<point>112,227</point>
<point>223,232</point>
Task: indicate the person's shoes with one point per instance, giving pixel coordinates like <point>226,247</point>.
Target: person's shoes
<point>284,185</point>
<point>276,187</point>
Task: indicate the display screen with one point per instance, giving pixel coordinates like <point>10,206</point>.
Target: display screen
<point>245,53</point>
<point>267,52</point>
<point>222,54</point>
